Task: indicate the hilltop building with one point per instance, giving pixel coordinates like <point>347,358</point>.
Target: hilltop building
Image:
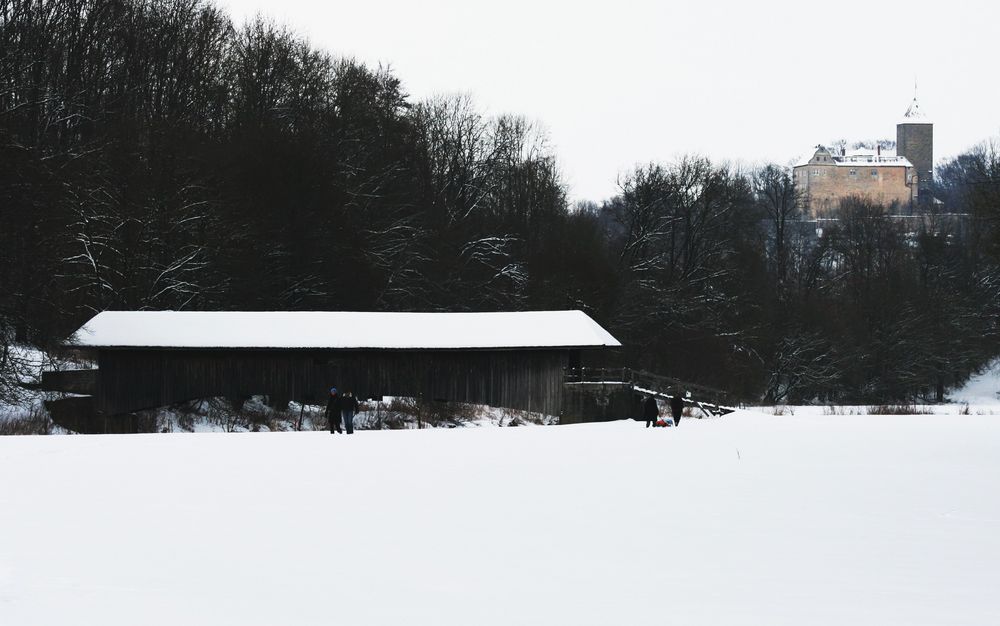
<point>902,178</point>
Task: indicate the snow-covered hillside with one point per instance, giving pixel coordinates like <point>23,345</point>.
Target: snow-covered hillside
<point>982,388</point>
<point>749,519</point>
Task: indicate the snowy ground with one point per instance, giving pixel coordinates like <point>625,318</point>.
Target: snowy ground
<point>749,519</point>
<point>821,515</point>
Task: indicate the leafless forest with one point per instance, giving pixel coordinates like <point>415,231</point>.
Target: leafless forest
<point>155,156</point>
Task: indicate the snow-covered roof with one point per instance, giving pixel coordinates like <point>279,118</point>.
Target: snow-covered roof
<point>341,330</point>
<point>866,157</point>
<point>914,115</point>
<point>873,159</point>
<point>886,152</point>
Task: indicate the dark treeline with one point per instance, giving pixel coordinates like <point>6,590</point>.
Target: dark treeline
<point>153,155</point>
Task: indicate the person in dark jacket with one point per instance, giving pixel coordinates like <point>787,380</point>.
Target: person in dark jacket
<point>677,406</point>
<point>348,407</point>
<point>333,411</point>
<point>650,411</point>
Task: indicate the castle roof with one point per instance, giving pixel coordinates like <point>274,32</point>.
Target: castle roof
<point>883,160</point>
<point>855,158</point>
<point>914,115</point>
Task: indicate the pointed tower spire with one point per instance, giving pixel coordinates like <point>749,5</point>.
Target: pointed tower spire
<point>913,113</point>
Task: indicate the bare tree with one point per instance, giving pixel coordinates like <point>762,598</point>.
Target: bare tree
<point>776,195</point>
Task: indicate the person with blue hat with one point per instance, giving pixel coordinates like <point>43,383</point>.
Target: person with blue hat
<point>333,411</point>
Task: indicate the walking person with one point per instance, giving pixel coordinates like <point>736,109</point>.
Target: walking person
<point>677,407</point>
<point>333,411</point>
<point>348,407</point>
<point>650,410</point>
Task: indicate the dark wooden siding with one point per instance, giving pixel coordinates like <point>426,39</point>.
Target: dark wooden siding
<point>131,380</point>
<point>70,381</point>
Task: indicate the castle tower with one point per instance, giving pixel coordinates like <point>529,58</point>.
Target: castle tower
<point>915,141</point>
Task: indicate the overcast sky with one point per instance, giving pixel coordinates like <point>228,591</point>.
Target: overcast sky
<point>626,82</point>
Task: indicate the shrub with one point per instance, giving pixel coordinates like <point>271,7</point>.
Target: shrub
<point>898,409</point>
<point>400,413</point>
<point>34,422</point>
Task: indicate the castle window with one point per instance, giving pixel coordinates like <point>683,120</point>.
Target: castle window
<point>874,173</point>
<point>853,172</point>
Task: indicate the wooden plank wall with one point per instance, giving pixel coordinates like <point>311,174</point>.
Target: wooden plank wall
<point>70,381</point>
<point>131,380</point>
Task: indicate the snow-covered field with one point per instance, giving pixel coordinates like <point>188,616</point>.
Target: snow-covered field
<point>749,519</point>
<point>820,515</point>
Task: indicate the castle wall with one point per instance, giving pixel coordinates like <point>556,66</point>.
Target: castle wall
<point>823,186</point>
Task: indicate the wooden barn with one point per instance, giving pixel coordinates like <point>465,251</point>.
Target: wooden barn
<point>150,359</point>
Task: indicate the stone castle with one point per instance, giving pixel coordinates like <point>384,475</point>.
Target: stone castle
<point>902,179</point>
